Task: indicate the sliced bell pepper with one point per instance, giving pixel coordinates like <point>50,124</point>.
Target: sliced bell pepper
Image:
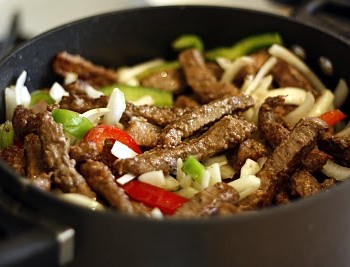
<point>38,95</point>
<point>188,41</point>
<point>100,133</point>
<point>132,93</point>
<point>154,196</point>
<point>194,168</point>
<point>332,117</point>
<point>245,46</point>
<point>7,135</point>
<point>72,122</point>
<point>163,67</point>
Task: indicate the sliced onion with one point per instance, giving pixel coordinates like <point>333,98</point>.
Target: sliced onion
<point>227,171</point>
<point>263,71</point>
<point>10,101</point>
<point>333,170</point>
<point>155,178</point>
<point>222,160</point>
<point>223,62</point>
<point>288,56</point>
<point>246,186</point>
<point>95,114</point>
<point>263,86</point>
<point>250,167</point>
<point>117,105</point>
<point>184,179</point>
<point>57,92</point>
<point>70,77</point>
<point>294,95</point>
<point>157,214</point>
<point>122,151</point>
<point>300,112</point>
<point>234,68</point>
<point>171,184</point>
<point>341,92</point>
<point>82,200</point>
<point>92,92</point>
<point>187,192</point>
<point>215,173</point>
<point>323,103</point>
<point>126,178</point>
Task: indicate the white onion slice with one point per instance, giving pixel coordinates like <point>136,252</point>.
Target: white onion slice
<point>95,114</point>
<point>246,186</point>
<point>122,151</point>
<point>157,214</point>
<point>223,62</point>
<point>294,95</point>
<point>300,112</point>
<point>171,184</point>
<point>187,192</point>
<point>184,179</point>
<point>122,180</point>
<point>323,103</point>
<point>215,173</point>
<point>250,167</point>
<point>288,56</point>
<point>117,105</point>
<point>333,170</point>
<point>341,92</point>
<point>155,178</point>
<point>57,92</point>
<point>10,101</point>
<point>234,68</point>
<point>82,200</point>
<point>92,92</point>
<point>70,77</point>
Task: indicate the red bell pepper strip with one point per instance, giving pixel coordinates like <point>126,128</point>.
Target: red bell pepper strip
<point>154,196</point>
<point>100,133</point>
<point>332,117</point>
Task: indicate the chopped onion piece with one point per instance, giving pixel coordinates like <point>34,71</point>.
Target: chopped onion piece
<point>57,92</point>
<point>82,200</point>
<point>95,114</point>
<point>70,77</point>
<point>122,151</point>
<point>222,160</point>
<point>263,71</point>
<point>145,100</point>
<point>227,171</point>
<point>204,182</point>
<point>250,167</point>
<point>156,214</point>
<point>10,101</point>
<point>234,68</point>
<point>215,173</point>
<point>126,178</point>
<point>184,179</point>
<point>246,186</point>
<point>333,170</point>
<point>187,192</point>
<point>288,56</point>
<point>341,92</point>
<point>294,95</point>
<point>171,184</point>
<point>92,92</point>
<point>263,86</point>
<point>126,74</point>
<point>155,178</point>
<point>300,112</point>
<point>223,62</point>
<point>117,105</point>
<point>323,103</point>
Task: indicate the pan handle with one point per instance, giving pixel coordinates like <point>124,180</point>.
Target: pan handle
<point>24,243</point>
<point>332,16</point>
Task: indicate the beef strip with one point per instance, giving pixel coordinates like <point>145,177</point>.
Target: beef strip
<point>282,196</point>
<point>328,183</point>
<point>184,101</point>
<point>284,161</point>
<point>55,148</point>
<point>171,80</point>
<point>218,199</point>
<point>14,157</point>
<point>160,116</point>
<point>202,116</point>
<point>226,133</point>
<point>303,184</point>
<point>337,146</point>
<point>144,133</point>
<point>36,169</point>
<point>82,103</point>
<point>78,87</point>
<point>97,76</point>
<point>84,151</point>
<point>102,181</point>
<point>315,160</point>
<point>202,81</point>
<point>25,121</point>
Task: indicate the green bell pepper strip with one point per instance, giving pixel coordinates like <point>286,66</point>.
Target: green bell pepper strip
<point>38,95</point>
<point>194,168</point>
<point>163,67</point>
<point>7,135</point>
<point>132,93</point>
<point>245,46</point>
<point>72,122</point>
<point>188,41</point>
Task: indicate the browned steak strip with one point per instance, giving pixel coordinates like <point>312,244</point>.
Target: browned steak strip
<point>202,116</point>
<point>36,169</point>
<point>184,101</point>
<point>24,121</point>
<point>315,160</point>
<point>226,133</point>
<point>14,157</point>
<point>284,161</point>
<point>97,76</point>
<point>160,116</point>
<point>337,146</point>
<point>84,151</point>
<point>102,181</point>
<point>328,183</point>
<point>78,87</point>
<point>214,200</point>
<point>55,148</point>
<point>82,103</point>
<point>303,184</point>
<point>202,81</point>
<point>144,133</point>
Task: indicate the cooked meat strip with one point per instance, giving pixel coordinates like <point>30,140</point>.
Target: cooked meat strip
<point>36,169</point>
<point>97,76</point>
<point>304,184</point>
<point>328,183</point>
<point>337,146</point>
<point>284,161</point>
<point>160,116</point>
<point>14,157</point>
<point>315,160</point>
<point>171,80</point>
<point>82,103</point>
<point>102,181</point>
<point>25,121</point>
<point>215,69</point>
<point>226,133</point>
<point>202,81</point>
<point>282,197</point>
<point>210,202</point>
<point>55,148</point>
<point>202,116</point>
<point>84,151</point>
<point>286,75</point>
<point>107,157</point>
<point>144,133</point>
<point>78,87</point>
<point>184,101</point>
<point>249,149</point>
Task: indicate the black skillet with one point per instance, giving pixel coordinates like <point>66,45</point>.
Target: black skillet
<point>310,232</point>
